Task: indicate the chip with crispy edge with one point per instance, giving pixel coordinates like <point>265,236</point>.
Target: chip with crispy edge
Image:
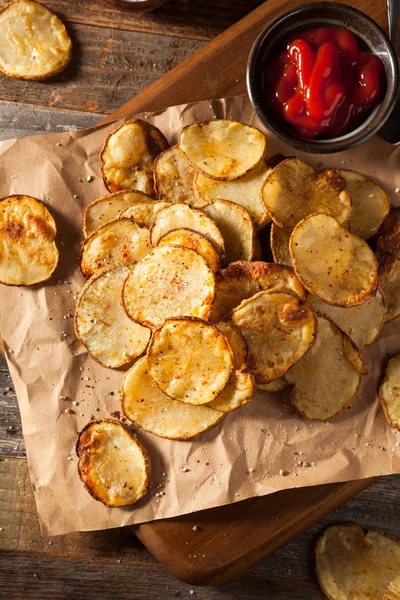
<point>28,252</point>
<point>241,280</point>
<point>293,190</point>
<point>149,408</point>
<point>238,391</point>
<point>279,240</point>
<point>173,177</point>
<point>105,209</point>
<point>325,381</point>
<point>144,213</point>
<point>245,191</point>
<point>332,263</point>
<point>180,215</point>
<point>388,237</point>
<point>351,564</point>
<point>222,149</point>
<point>119,242</point>
<point>189,360</point>
<point>236,226</point>
<point>389,392</point>
<point>101,323</point>
<point>34,41</point>
<point>278,328</point>
<point>128,155</point>
<point>236,341</point>
<point>389,282</point>
<point>370,204</point>
<point>113,465</point>
<point>195,240</point>
<point>277,385</point>
<point>172,281</point>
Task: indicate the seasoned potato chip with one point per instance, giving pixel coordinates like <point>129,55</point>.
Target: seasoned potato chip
<point>354,355</point>
<point>280,245</point>
<point>195,240</point>
<point>178,216</point>
<point>352,565</point>
<point>149,408</point>
<point>28,252</point>
<point>389,392</point>
<point>112,464</point>
<point>245,191</point>
<point>293,190</point>
<point>119,242</point>
<point>172,281</point>
<point>173,177</point>
<point>236,226</point>
<point>370,204</point>
<point>34,41</point>
<point>102,324</point>
<point>236,341</point>
<point>144,213</point>
<point>107,208</point>
<point>238,391</point>
<point>190,360</point>
<point>331,262</point>
<point>241,280</point>
<point>222,149</point>
<point>389,281</point>
<point>362,323</point>
<point>278,330</point>
<point>325,381</point>
<point>276,385</point>
<point>389,233</point>
<point>128,155</point>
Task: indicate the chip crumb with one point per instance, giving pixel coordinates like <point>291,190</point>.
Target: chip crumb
<point>251,470</point>
<point>63,397</point>
<point>58,144</point>
<point>69,458</point>
<point>185,470</point>
<point>397,190</point>
<point>197,528</point>
<point>284,473</point>
<point>69,411</point>
<point>191,592</point>
<point>89,178</point>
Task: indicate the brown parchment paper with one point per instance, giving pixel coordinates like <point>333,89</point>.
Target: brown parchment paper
<point>259,449</point>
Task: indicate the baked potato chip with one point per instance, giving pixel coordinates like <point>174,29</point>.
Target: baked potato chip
<point>144,213</point>
<point>324,381</point>
<point>195,240</point>
<point>119,242</point>
<point>237,343</point>
<point>149,408</point>
<point>172,281</point>
<point>277,385</point>
<point>331,262</point>
<point>241,280</point>
<point>222,149</point>
<point>180,215</point>
<point>128,155</point>
<point>112,464</point>
<point>389,233</point>
<point>389,282</point>
<point>389,392</point>
<point>293,190</point>
<point>351,564</point>
<point>278,330</point>
<point>102,325</point>
<point>34,41</point>
<point>354,355</point>
<point>245,191</point>
<point>105,209</point>
<point>173,177</point>
<point>236,226</point>
<point>370,204</point>
<point>190,360</point>
<point>28,252</point>
<point>361,323</point>
<point>238,391</point>
<point>279,239</point>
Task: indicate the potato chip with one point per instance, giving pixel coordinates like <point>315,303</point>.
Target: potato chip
<point>109,207</point>
<point>245,191</point>
<point>173,177</point>
<point>195,240</point>
<point>331,262</point>
<point>241,280</point>
<point>351,564</point>
<point>370,204</point>
<point>102,325</point>
<point>114,467</point>
<point>279,239</point>
<point>172,281</point>
<point>389,233</point>
<point>149,408</point>
<point>222,149</point>
<point>278,329</point>
<point>354,355</point>
<point>190,360</point>
<point>128,155</point>
<point>324,381</point>
<point>119,242</point>
<point>389,392</point>
<point>389,282</point>
<point>293,190</point>
<point>236,341</point>
<point>361,323</point>
<point>276,385</point>
<point>144,213</point>
<point>178,216</point>
<point>28,252</point>
<point>34,41</point>
<point>238,391</point>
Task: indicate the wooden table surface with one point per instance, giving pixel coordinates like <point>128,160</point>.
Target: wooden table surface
<point>117,55</point>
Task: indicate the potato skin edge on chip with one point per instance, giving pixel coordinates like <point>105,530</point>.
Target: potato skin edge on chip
<point>110,198</point>
<point>385,378</point>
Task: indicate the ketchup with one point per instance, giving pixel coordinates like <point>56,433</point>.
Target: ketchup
<point>322,83</point>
